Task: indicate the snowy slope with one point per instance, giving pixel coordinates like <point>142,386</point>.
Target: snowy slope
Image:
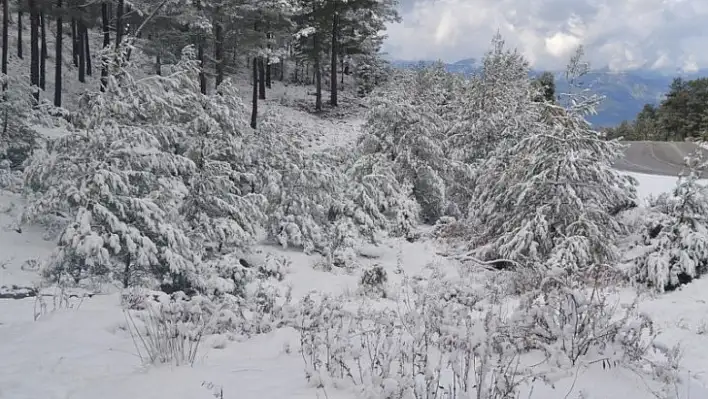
<point>61,347</point>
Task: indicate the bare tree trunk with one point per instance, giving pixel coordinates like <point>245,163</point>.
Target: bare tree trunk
<point>74,42</point>
<point>202,75</point>
<point>87,46</point>
<point>282,69</point>
<point>333,100</point>
<point>268,74</point>
<point>158,65</point>
<point>5,38</point>
<point>106,43</point>
<point>58,58</point>
<point>19,32</point>
<point>318,73</point>
<point>119,23</point>
<point>254,109</point>
<point>219,51</point>
<point>34,48</point>
<point>43,55</point>
<point>44,25</point>
<point>80,45</point>
<point>261,79</point>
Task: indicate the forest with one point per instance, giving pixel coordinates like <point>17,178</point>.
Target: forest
<point>216,182</point>
<point>681,115</point>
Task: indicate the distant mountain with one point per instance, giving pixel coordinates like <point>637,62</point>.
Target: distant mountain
<point>625,92</point>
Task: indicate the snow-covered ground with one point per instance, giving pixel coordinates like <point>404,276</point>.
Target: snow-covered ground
<point>71,347</point>
<point>652,185</point>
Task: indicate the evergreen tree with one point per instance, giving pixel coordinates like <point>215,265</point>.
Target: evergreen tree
<point>547,194</point>
<point>678,239</point>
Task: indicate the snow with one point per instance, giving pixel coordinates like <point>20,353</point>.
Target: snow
<point>60,347</point>
<point>18,248</point>
<point>86,351</point>
<point>652,185</point>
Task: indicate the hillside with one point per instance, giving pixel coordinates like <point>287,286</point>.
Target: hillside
<point>416,237</point>
<point>86,345</point>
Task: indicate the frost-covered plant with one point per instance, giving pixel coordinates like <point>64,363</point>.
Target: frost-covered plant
<point>118,184</point>
<point>370,71</point>
<point>328,201</point>
<point>300,187</point>
<point>406,128</point>
<point>495,105</point>
<point>169,329</point>
<point>222,212</point>
<point>10,180</point>
<point>677,240</point>
<point>549,192</point>
<point>373,281</point>
<point>106,185</point>
<point>275,267</point>
<point>377,202</point>
<point>17,138</point>
<point>573,317</point>
<point>438,344</point>
<point>261,305</point>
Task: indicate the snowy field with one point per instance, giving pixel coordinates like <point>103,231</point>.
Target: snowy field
<point>63,346</point>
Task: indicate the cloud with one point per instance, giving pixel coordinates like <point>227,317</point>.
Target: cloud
<point>619,34</point>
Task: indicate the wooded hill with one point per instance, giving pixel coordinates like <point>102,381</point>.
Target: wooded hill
<point>682,115</point>
<point>298,40</point>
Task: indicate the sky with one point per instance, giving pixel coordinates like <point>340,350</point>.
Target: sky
<point>619,34</point>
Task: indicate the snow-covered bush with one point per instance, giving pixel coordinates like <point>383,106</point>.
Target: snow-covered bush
<point>407,127</point>
<point>439,344</point>
<point>495,105</point>
<point>576,317</point>
<point>169,329</point>
<point>261,304</point>
<point>676,238</point>
<point>10,180</point>
<point>302,190</point>
<point>149,149</point>
<point>448,336</point>
<point>328,202</point>
<point>114,184</point>
<point>373,281</point>
<point>377,202</point>
<point>275,267</point>
<point>17,138</point>
<point>549,191</point>
<point>370,71</point>
<point>222,211</point>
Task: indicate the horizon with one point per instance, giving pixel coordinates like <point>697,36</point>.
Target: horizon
<point>606,69</point>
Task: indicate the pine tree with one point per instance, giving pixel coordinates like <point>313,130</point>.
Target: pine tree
<point>410,126</point>
<point>546,195</point>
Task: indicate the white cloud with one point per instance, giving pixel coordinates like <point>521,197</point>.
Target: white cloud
<point>561,44</point>
<point>620,34</point>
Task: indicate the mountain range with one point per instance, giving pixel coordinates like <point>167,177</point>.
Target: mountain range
<point>625,92</point>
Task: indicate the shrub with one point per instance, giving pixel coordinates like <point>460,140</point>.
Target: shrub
<point>170,329</point>
<point>373,281</point>
<point>676,236</point>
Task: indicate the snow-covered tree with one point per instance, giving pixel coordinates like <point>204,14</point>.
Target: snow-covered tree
<point>328,202</point>
<point>677,240</point>
<point>17,139</point>
<point>548,193</point>
<point>149,148</point>
<point>223,212</point>
<point>409,125</point>
<point>377,202</point>
<point>495,106</point>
